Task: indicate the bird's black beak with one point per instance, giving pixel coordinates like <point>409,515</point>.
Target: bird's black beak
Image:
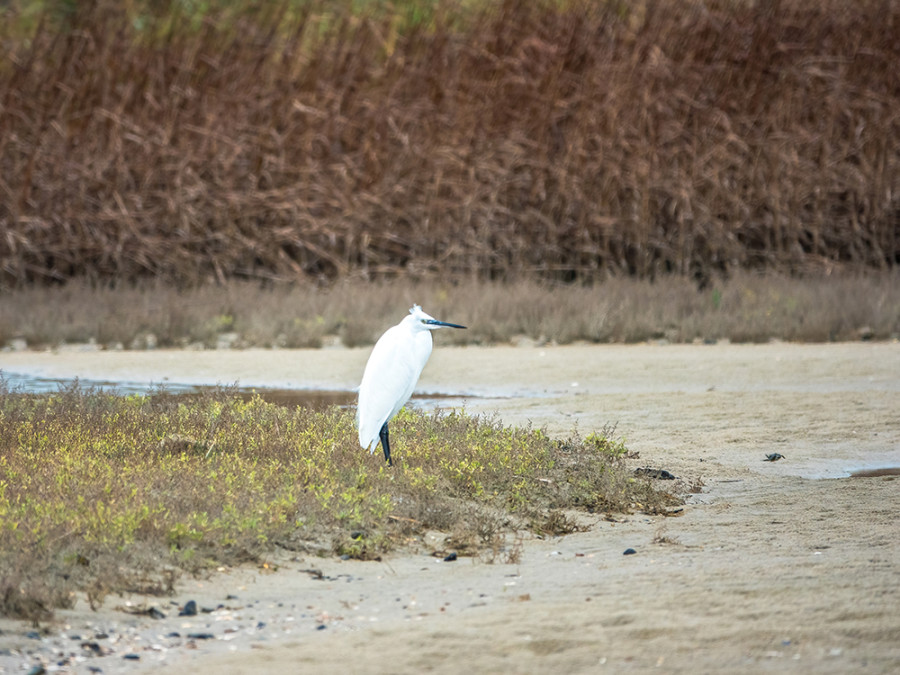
<point>435,322</point>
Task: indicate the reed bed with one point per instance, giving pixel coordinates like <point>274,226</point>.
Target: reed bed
<point>491,140</point>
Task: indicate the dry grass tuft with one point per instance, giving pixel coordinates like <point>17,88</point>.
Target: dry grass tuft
<point>743,308</point>
<point>663,539</point>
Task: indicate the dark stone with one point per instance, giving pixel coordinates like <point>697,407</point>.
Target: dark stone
<point>660,474</point>
<point>189,609</point>
<point>629,551</point>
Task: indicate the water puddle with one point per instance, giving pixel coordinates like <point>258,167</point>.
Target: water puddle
<point>307,398</point>
<point>320,399</point>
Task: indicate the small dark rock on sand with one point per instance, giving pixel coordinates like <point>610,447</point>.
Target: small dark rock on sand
<point>661,474</point>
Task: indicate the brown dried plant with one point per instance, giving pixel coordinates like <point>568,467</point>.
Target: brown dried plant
<point>562,140</point>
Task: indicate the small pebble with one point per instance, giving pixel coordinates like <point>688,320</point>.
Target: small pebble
<point>201,636</point>
<point>629,551</point>
<point>451,557</point>
<point>189,609</point>
<point>33,635</point>
<point>132,657</point>
<point>660,474</point>
<point>37,670</point>
<point>321,626</point>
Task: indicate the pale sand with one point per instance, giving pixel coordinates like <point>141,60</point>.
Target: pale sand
<point>772,567</point>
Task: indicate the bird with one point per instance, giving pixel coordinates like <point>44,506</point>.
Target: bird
<point>391,373</point>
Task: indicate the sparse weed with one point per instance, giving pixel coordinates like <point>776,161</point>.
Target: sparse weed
<point>105,493</point>
<point>663,539</point>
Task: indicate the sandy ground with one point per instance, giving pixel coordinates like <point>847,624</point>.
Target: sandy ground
<point>785,566</point>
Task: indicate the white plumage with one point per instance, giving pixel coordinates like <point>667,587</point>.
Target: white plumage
<point>391,374</point>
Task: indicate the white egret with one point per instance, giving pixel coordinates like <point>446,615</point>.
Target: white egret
<point>391,374</point>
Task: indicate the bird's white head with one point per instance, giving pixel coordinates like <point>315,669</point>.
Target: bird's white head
<point>419,320</point>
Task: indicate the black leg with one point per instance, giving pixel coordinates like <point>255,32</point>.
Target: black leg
<point>385,444</point>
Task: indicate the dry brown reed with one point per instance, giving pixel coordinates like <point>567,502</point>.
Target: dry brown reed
<point>743,308</point>
<point>562,140</point>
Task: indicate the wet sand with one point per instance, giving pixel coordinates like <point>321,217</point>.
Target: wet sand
<point>786,566</point>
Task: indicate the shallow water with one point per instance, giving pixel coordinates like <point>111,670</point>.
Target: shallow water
<point>307,398</point>
<point>34,384</point>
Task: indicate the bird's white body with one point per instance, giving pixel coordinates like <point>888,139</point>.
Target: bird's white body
<point>391,373</point>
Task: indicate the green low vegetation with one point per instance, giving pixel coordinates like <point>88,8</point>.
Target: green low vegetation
<point>103,493</point>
